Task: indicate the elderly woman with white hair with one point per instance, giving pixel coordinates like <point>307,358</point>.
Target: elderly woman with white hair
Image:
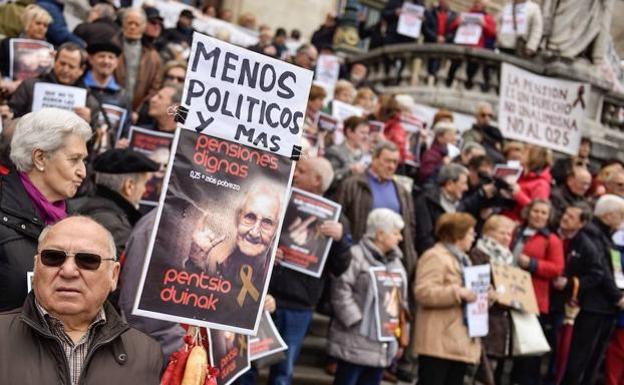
<point>437,155</point>
<point>354,332</point>
<point>35,21</point>
<point>48,151</point>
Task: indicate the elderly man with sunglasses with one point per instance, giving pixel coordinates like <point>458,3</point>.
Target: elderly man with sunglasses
<point>66,332</point>
<point>484,133</point>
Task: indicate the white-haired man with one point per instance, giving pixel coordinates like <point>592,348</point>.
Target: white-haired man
<point>66,330</point>
<point>297,294</point>
<point>593,326</point>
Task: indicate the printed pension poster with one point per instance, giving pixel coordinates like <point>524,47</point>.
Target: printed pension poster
<point>410,20</point>
<point>246,97</point>
<point>514,288</point>
<point>157,146</point>
<point>477,279</point>
<point>229,353</point>
<point>305,248</point>
<point>389,288</point>
<point>117,118</point>
<point>268,340</point>
<point>327,69</point>
<point>469,32</point>
<point>540,110</point>
<point>59,96</point>
<point>29,58</point>
<point>211,255</point>
<point>514,19</point>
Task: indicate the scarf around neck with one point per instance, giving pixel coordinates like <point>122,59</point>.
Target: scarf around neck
<point>48,211</point>
<point>497,252</point>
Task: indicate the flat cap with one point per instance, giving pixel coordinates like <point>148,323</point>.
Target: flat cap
<point>118,161</point>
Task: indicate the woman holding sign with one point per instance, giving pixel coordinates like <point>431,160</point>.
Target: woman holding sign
<point>442,342</point>
<point>368,299</point>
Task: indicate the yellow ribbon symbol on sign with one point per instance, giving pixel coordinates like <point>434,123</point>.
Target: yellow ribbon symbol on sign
<point>246,272</point>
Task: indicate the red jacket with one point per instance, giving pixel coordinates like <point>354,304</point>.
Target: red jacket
<point>395,132</point>
<point>546,252</point>
<point>489,28</point>
<point>533,186</point>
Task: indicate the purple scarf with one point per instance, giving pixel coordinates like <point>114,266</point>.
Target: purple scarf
<point>49,212</point>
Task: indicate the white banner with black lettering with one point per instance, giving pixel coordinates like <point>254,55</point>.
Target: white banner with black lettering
<point>541,110</point>
<point>245,97</point>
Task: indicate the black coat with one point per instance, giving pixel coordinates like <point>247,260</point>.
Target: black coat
<point>561,198</point>
<point>604,297</point>
<point>430,26</point>
<point>20,226</point>
<point>112,211</point>
<point>30,354</point>
<point>99,31</point>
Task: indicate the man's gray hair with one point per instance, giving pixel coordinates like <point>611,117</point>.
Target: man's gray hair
<point>115,181</point>
<point>384,145</point>
<point>324,169</point>
<point>109,237</point>
<point>470,146</point>
<point>608,203</point>
<point>46,130</point>
<point>105,10</point>
<point>383,220</point>
<point>451,173</point>
<point>482,106</point>
<point>139,11</point>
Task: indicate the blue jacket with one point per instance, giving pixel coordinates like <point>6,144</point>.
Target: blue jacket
<point>58,33</point>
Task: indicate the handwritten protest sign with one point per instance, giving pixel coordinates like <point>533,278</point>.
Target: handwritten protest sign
<point>229,353</point>
<point>268,341</point>
<point>389,289</point>
<point>243,96</point>
<point>469,32</point>
<point>514,288</point>
<point>29,58</point>
<point>541,110</point>
<point>305,248</point>
<point>514,24</point>
<point>56,95</point>
<point>410,20</point>
<point>157,146</point>
<point>477,279</point>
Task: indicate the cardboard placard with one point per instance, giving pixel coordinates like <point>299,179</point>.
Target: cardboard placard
<point>514,288</point>
<point>305,249</point>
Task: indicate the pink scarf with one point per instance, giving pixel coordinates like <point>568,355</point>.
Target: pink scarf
<point>49,212</point>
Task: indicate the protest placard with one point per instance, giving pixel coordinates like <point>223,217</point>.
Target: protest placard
<point>157,146</point>
<point>616,263</point>
<point>389,290</point>
<point>514,19</point>
<point>413,126</point>
<point>29,58</point>
<point>542,110</point>
<point>327,122</point>
<point>268,341</point>
<point>507,172</point>
<point>477,279</point>
<point>243,96</point>
<point>410,20</point>
<point>305,248</point>
<point>514,288</point>
<point>59,96</point>
<point>229,353</point>
<point>327,69</point>
<point>117,118</point>
<point>469,32</point>
<point>343,111</point>
<point>211,254</point>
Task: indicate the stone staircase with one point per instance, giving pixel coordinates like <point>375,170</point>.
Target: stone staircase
<point>310,367</point>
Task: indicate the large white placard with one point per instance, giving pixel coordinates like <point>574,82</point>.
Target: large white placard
<point>59,96</point>
<point>477,279</point>
<point>410,20</point>
<point>245,97</point>
<point>540,110</point>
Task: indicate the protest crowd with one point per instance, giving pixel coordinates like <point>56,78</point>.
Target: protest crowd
<point>426,226</point>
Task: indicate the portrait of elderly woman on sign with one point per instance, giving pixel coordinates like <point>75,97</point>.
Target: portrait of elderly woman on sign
<point>48,150</point>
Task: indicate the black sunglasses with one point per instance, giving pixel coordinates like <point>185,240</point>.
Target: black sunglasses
<point>85,261</point>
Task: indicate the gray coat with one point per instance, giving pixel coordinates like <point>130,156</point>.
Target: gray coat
<point>353,330</point>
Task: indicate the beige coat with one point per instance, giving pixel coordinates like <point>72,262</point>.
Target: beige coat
<point>440,328</point>
<point>534,29</point>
